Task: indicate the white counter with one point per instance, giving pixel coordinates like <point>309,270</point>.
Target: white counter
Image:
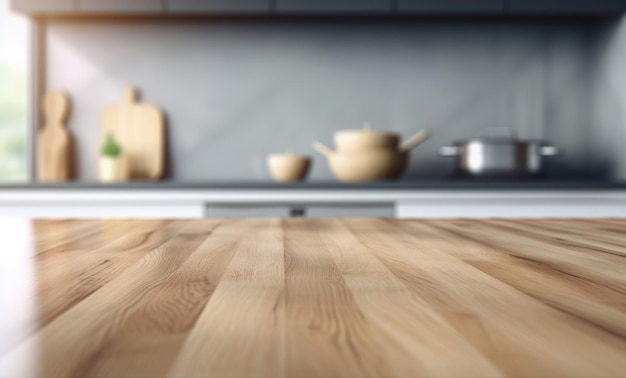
<point>179,203</point>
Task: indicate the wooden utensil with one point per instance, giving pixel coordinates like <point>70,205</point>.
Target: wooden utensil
<point>54,142</point>
<point>139,129</point>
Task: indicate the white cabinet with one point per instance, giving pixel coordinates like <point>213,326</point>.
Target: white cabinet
<point>57,203</point>
<point>330,210</point>
<point>85,211</point>
<point>501,205</point>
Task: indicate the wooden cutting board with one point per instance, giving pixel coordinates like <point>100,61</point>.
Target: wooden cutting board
<point>54,142</point>
<point>138,128</point>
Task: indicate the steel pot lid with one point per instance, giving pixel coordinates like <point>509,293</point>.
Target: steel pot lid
<point>499,140</point>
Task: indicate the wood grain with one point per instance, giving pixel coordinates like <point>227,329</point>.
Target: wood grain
<point>412,331</point>
<point>603,239</point>
<point>119,246</point>
<point>245,315</point>
<point>581,298</point>
<point>121,243</point>
<point>603,269</point>
<point>520,332</point>
<point>319,298</point>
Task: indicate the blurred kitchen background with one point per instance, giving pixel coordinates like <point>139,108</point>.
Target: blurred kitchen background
<point>238,81</point>
<point>235,89</point>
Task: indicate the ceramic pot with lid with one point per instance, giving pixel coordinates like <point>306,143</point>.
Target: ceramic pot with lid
<point>367,155</point>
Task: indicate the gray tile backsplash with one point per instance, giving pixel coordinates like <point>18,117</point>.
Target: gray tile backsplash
<point>234,91</point>
<point>608,135</point>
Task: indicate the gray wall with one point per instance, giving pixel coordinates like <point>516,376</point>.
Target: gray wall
<point>236,90</point>
<point>607,141</point>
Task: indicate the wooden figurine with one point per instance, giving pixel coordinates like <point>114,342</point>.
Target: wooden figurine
<point>54,142</point>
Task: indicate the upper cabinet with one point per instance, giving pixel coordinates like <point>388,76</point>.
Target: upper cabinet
<point>51,7</point>
<point>334,6</point>
<point>43,6</point>
<point>452,6</point>
<point>120,6</point>
<point>218,6</point>
<point>322,7</point>
<point>580,7</point>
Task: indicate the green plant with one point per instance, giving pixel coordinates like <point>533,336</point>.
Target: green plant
<point>110,148</point>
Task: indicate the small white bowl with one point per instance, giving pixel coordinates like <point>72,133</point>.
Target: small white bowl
<point>288,167</point>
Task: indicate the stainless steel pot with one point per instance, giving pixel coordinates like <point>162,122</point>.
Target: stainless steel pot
<point>499,157</point>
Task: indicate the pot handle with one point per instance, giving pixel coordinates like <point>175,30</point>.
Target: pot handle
<point>548,151</point>
<point>322,149</point>
<point>414,141</point>
<point>449,151</point>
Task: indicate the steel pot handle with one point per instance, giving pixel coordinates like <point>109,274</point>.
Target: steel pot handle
<point>548,151</point>
<point>449,151</point>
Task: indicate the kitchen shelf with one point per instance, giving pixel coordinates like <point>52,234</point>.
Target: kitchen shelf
<point>408,185</point>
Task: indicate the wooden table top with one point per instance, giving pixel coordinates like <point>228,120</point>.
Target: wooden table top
<point>309,298</point>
